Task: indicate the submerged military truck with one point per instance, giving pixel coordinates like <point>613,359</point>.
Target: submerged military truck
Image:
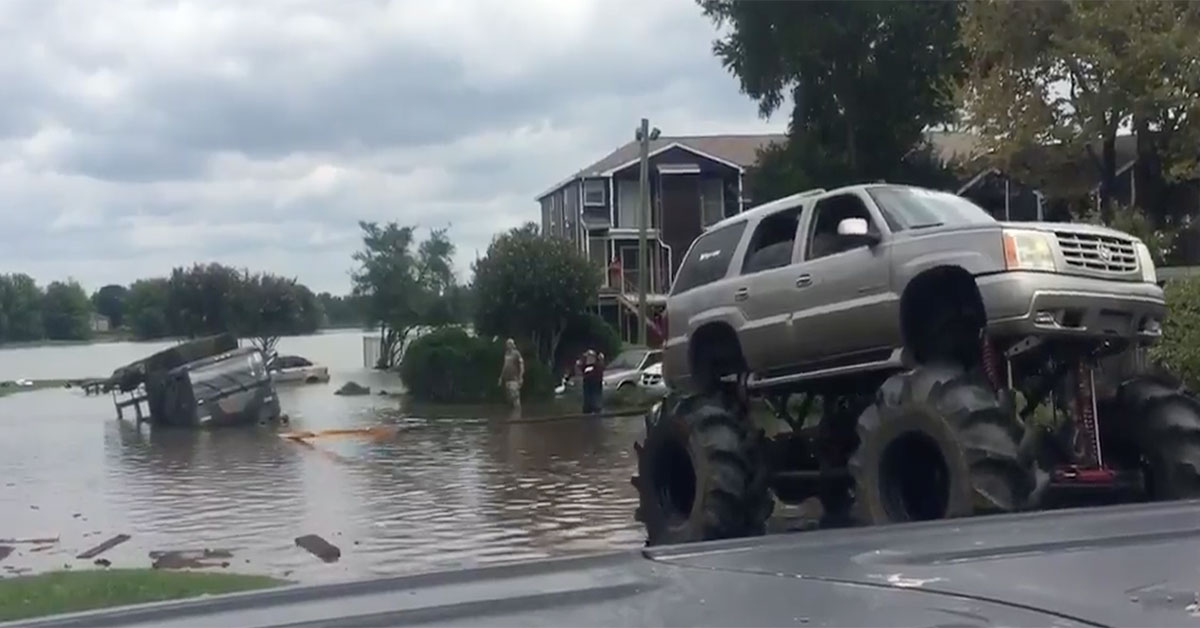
<point>207,382</point>
<point>930,362</point>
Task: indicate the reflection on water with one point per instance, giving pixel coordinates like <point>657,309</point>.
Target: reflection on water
<point>442,493</point>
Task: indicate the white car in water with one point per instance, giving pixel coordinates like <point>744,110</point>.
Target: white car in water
<point>626,369</point>
<point>293,368</point>
<point>652,380</point>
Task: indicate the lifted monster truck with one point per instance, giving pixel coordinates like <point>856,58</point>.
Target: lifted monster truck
<point>962,365</point>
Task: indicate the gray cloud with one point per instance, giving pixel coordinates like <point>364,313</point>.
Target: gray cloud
<point>139,136</point>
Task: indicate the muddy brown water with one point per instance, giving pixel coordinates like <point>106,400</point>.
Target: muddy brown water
<point>442,493</point>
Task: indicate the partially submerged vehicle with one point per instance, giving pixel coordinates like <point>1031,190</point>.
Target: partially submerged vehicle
<point>293,368</point>
<point>208,382</point>
<point>626,369</point>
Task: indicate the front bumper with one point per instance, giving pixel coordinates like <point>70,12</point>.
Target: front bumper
<point>1066,306</point>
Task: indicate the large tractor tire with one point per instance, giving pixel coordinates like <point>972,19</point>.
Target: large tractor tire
<point>937,443</point>
<point>1155,425</point>
<point>702,472</point>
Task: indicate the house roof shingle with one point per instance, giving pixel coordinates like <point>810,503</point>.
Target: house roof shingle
<point>952,147</point>
<point>737,149</point>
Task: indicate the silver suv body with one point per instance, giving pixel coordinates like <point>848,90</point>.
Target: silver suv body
<point>813,285</point>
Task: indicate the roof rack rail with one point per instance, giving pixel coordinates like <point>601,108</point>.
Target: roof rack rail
<point>812,192</point>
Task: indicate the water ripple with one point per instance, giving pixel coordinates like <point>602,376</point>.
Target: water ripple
<point>441,494</point>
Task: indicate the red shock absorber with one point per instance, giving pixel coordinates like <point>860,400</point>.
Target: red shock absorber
<point>990,368</point>
<point>1085,418</point>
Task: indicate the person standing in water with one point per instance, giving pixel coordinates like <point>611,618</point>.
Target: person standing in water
<point>591,369</point>
<point>512,374</point>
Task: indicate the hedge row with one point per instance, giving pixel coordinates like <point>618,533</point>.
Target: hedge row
<point>1179,349</point>
<point>449,366</point>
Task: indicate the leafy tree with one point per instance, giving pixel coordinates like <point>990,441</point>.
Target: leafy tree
<point>529,287</point>
<point>109,302</point>
<point>20,308</point>
<point>1072,73</point>
<point>400,288</point>
<point>270,306</point>
<point>310,316</point>
<point>203,299</point>
<point>146,308</point>
<point>866,80</point>
<point>340,311</point>
<point>66,311</point>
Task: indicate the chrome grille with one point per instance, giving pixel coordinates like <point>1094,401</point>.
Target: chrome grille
<point>1101,253</point>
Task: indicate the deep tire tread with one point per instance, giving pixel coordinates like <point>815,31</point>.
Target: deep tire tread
<point>1161,421</point>
<point>732,497</point>
<point>987,437</point>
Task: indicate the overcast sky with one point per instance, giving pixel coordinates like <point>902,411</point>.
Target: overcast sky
<point>139,135</point>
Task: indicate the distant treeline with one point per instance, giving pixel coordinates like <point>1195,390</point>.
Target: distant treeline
<point>202,299</point>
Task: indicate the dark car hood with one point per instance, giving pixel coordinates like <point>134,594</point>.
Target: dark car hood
<point>1123,566</point>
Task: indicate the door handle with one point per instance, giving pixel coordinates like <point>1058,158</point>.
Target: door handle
<point>741,294</point>
<point>804,281</point>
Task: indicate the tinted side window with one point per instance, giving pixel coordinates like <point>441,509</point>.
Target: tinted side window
<point>709,258</point>
<point>823,238</point>
<point>772,243</point>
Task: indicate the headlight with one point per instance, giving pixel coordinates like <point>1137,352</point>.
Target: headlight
<point>1028,250</point>
<point>1149,274</point>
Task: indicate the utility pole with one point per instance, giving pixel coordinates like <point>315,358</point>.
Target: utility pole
<point>643,136</point>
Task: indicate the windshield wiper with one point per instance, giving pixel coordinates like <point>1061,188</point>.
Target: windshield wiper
<point>927,225</point>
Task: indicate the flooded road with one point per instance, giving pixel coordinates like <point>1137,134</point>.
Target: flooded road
<point>441,493</point>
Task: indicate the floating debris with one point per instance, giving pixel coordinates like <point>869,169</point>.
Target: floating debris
<point>319,547</point>
<point>104,547</point>
<point>31,541</point>
<point>352,389</point>
<point>102,562</point>
<point>189,559</point>
<point>377,432</point>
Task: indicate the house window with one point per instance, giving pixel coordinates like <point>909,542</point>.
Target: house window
<point>627,204</point>
<point>571,214</point>
<point>598,252</point>
<point>712,200</point>
<point>558,216</point>
<point>593,192</point>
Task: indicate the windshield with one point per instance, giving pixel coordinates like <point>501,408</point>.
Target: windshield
<point>628,360</point>
<point>916,208</point>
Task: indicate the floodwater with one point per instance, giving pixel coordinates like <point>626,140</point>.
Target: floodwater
<point>442,493</point>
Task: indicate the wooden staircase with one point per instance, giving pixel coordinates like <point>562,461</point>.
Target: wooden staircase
<point>628,298</point>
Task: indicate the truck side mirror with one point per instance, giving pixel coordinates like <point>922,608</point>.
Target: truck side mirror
<point>857,231</point>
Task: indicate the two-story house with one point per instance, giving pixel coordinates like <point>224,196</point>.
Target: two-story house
<point>694,182</point>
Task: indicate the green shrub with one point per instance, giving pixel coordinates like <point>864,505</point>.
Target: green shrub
<point>1179,349</point>
<point>586,331</point>
<point>449,366</point>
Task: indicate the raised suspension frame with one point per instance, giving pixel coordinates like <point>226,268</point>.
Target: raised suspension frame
<point>1086,466</point>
